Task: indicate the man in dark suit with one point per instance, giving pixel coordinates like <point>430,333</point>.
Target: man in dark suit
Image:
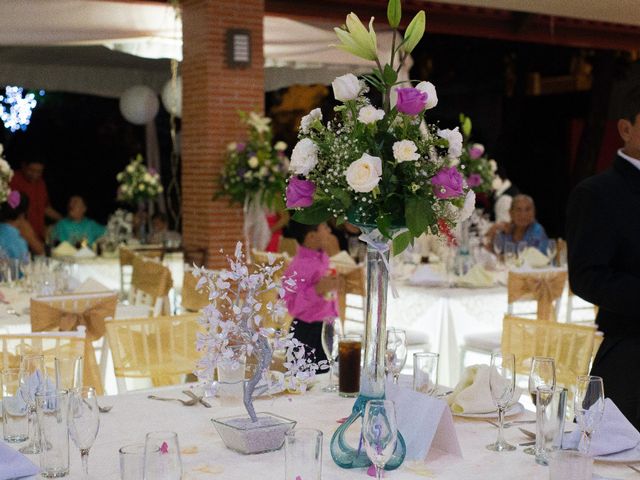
<point>603,238</point>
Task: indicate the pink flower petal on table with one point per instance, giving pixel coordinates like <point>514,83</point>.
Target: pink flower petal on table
<point>371,471</point>
<point>164,448</point>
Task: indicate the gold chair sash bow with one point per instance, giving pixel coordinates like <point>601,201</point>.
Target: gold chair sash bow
<point>192,299</point>
<point>543,287</point>
<point>151,277</point>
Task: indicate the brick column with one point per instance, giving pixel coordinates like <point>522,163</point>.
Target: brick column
<point>212,95</point>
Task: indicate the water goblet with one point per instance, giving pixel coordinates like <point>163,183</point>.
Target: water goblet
<point>588,407</point>
<point>68,372</point>
<point>510,256</point>
<point>542,374</point>
<point>552,251</point>
<point>396,352</point>
<point>84,422</point>
<point>32,378</point>
<point>498,244</point>
<point>502,383</point>
<point>380,432</point>
<point>162,456</point>
<point>331,331</point>
<point>520,248</point>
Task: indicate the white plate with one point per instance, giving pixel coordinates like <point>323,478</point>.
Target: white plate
<point>515,409</point>
<point>627,456</point>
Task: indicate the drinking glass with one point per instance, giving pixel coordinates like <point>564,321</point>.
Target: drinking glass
<point>502,383</point>
<point>349,353</point>
<point>380,432</point>
<point>425,373</point>
<point>68,371</point>
<point>498,244</point>
<point>521,247</point>
<point>303,454</point>
<point>510,257</point>
<point>552,251</point>
<point>542,374</point>
<point>550,410</point>
<point>396,352</point>
<point>32,377</point>
<point>588,407</point>
<point>84,422</point>
<point>15,428</point>
<point>354,248</point>
<point>52,407</point>
<point>132,461</point>
<point>231,376</point>
<point>330,333</point>
<point>162,456</point>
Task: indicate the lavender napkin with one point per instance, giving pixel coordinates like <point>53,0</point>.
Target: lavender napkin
<point>614,434</point>
<point>15,465</point>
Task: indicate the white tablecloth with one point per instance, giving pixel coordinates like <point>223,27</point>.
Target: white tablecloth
<point>134,415</point>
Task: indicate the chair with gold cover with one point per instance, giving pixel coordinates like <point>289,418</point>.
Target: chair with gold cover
<point>162,349</point>
<point>126,255</point>
<point>61,345</point>
<point>151,283</point>
<point>288,246</point>
<point>571,346</point>
<point>193,300</point>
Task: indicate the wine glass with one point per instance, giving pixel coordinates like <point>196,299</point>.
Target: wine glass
<point>502,383</point>
<point>32,378</point>
<point>162,456</point>
<point>552,251</point>
<point>542,374</point>
<point>521,247</point>
<point>380,432</point>
<point>84,422</point>
<point>510,258</point>
<point>331,332</point>
<point>68,371</point>
<point>354,248</point>
<point>588,407</point>
<point>498,244</point>
<point>396,352</point>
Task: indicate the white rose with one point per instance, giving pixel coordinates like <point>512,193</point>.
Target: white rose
<point>264,171</point>
<point>253,162</point>
<point>148,178</point>
<point>232,146</point>
<point>130,169</point>
<point>308,119</point>
<point>346,87</point>
<point>468,207</point>
<point>364,174</point>
<point>370,114</point>
<point>141,187</point>
<point>493,165</point>
<point>454,137</point>
<point>304,157</point>
<point>280,146</point>
<point>405,151</point>
<point>430,89</point>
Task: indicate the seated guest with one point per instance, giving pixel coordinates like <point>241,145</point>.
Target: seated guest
<point>160,232</point>
<point>76,228</point>
<point>36,246</point>
<point>523,226</point>
<point>11,242</point>
<point>312,301</point>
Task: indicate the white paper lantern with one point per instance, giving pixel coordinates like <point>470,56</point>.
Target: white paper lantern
<point>172,97</point>
<point>139,104</point>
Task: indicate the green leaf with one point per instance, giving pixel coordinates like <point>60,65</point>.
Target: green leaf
<point>390,76</point>
<point>401,241</point>
<point>384,225</point>
<point>418,215</point>
<point>394,13</point>
<point>414,32</point>
<point>466,127</point>
<point>342,195</point>
<point>313,215</point>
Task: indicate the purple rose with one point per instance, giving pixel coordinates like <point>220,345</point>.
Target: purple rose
<point>300,193</point>
<point>14,198</point>
<point>240,147</point>
<point>411,101</point>
<point>476,150</point>
<point>448,183</point>
<point>474,180</point>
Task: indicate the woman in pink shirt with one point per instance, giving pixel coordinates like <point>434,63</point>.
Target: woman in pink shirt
<point>313,300</point>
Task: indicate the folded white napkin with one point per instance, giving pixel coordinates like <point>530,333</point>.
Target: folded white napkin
<point>427,275</point>
<point>91,285</point>
<point>343,262</point>
<point>477,277</point>
<point>614,434</point>
<point>65,249</point>
<point>14,465</point>
<point>85,252</point>
<point>534,258</point>
<point>473,395</point>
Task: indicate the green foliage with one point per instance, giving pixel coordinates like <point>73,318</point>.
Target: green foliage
<point>137,183</point>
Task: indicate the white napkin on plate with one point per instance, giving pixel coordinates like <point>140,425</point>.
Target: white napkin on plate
<point>534,258</point>
<point>91,285</point>
<point>14,465</point>
<point>65,249</point>
<point>614,434</point>
<point>473,395</point>
<point>85,252</point>
<point>427,275</point>
<point>477,277</point>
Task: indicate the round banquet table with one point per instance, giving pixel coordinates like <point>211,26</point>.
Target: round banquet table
<point>133,415</point>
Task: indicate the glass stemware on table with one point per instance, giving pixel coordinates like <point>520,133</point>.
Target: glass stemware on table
<point>84,422</point>
<point>588,407</point>
<point>396,352</point>
<point>331,332</point>
<point>502,384</point>
<point>552,251</point>
<point>510,255</point>
<point>380,432</point>
<point>162,456</point>
<point>32,378</point>
<point>542,375</point>
<point>425,373</point>
<point>498,245</point>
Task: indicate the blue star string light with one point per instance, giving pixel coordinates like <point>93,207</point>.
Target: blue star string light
<point>16,108</point>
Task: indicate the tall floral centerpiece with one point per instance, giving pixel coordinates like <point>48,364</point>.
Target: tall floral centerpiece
<point>254,176</point>
<point>479,170</point>
<point>385,169</point>
<point>6,174</point>
<point>138,183</point>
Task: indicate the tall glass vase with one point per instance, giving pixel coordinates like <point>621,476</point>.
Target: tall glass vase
<point>372,383</point>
